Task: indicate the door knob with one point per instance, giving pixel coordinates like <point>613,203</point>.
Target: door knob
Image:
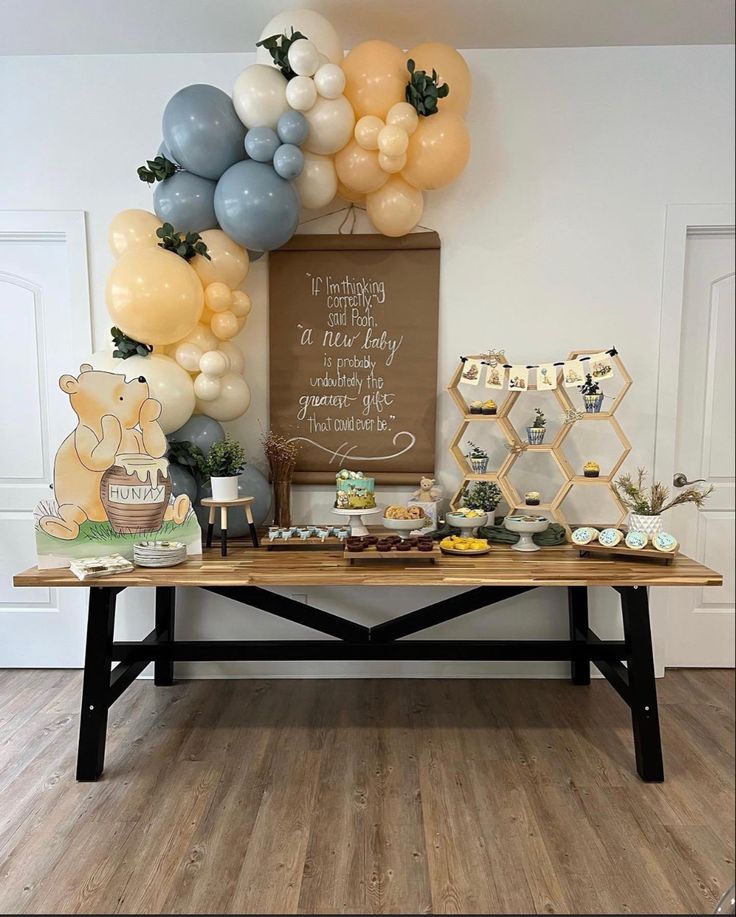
<point>680,480</point>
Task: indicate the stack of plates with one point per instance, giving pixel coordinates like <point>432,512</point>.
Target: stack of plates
<point>159,553</point>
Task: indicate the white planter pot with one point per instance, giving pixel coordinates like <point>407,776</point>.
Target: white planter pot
<point>650,525</point>
<point>491,517</point>
<point>224,489</point>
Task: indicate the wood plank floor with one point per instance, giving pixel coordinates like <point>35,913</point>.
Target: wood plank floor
<point>320,797</point>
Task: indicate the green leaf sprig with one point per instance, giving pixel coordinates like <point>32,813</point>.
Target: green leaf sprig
<point>127,347</point>
<point>190,457</point>
<point>424,91</point>
<point>278,47</point>
<point>157,169</point>
<point>185,245</point>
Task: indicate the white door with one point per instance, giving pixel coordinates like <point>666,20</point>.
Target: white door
<point>44,332</point>
<point>700,621</point>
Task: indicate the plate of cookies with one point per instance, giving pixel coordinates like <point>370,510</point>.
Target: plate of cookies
<point>404,518</point>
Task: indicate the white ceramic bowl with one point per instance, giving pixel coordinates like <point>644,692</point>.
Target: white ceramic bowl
<point>402,525</point>
<point>463,522</point>
<point>525,528</point>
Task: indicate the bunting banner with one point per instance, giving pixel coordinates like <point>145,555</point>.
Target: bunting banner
<point>515,377</point>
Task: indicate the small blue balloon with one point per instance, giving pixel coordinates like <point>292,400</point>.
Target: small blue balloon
<point>202,131</point>
<point>261,143</point>
<point>288,161</point>
<point>182,482</point>
<point>256,207</point>
<point>186,201</point>
<point>292,127</point>
<point>201,431</point>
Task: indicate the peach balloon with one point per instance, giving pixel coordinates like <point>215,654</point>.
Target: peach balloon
<point>403,115</point>
<point>375,77</point>
<point>367,130</point>
<point>131,230</point>
<point>202,336</point>
<point>396,208</point>
<point>154,296</point>
<point>225,325</point>
<point>228,262</point>
<point>393,141</point>
<point>391,164</point>
<point>358,169</point>
<point>451,69</point>
<point>438,151</point>
<point>347,194</point>
<point>241,304</point>
<point>218,296</point>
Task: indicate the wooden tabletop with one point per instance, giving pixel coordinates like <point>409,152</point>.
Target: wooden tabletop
<point>244,565</point>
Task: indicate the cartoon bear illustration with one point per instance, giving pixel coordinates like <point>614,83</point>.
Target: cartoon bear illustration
<point>114,417</point>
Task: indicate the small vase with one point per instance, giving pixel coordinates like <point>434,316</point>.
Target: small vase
<point>479,465</point>
<point>224,490</point>
<point>491,517</point>
<point>593,403</point>
<point>535,435</point>
<point>649,525</point>
<point>282,503</point>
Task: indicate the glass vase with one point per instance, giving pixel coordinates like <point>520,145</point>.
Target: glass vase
<point>282,502</point>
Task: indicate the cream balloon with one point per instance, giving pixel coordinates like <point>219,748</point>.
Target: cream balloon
<point>393,140</point>
<point>154,296</point>
<point>188,355</point>
<point>329,81</point>
<point>451,69</point>
<point>331,123</point>
<point>202,336</point>
<point>259,96</point>
<point>207,388</point>
<point>438,151</point>
<point>376,77</point>
<point>396,208</point>
<point>403,115</point>
<point>391,164</point>
<point>317,185</point>
<point>224,325</point>
<point>214,363</point>
<point>303,57</point>
<point>228,262</point>
<point>168,384</point>
<point>133,229</point>
<point>232,402</point>
<point>313,25</point>
<point>218,296</point>
<point>235,356</point>
<point>301,93</point>
<point>367,130</point>
<point>241,304</point>
<point>358,169</point>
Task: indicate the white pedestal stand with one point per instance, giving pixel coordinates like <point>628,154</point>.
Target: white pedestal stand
<point>357,525</point>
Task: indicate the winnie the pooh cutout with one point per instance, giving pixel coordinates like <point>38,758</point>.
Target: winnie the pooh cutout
<point>111,482</point>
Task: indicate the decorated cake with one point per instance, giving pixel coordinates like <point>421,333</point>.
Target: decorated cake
<point>354,490</point>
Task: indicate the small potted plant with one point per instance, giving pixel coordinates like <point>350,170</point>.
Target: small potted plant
<point>592,395</point>
<point>535,433</point>
<point>646,504</point>
<point>478,458</point>
<point>225,461</point>
<point>484,496</point>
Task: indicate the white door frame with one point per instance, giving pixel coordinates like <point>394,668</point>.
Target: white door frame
<point>682,220</point>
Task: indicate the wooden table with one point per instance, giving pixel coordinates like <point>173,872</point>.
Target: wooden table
<point>245,574</point>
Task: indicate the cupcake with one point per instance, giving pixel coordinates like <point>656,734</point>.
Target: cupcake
<point>355,547</point>
<point>476,407</point>
<point>532,498</point>
<point>591,469</point>
<point>425,545</point>
<point>384,544</point>
<point>403,546</point>
<point>489,407</point>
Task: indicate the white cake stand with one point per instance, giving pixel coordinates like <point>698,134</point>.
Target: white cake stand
<point>357,525</point>
<point>525,530</point>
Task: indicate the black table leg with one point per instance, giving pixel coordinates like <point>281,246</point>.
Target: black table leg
<point>210,530</point>
<point>577,600</point>
<point>223,540</point>
<point>96,685</point>
<point>163,669</point>
<point>253,534</point>
<point>641,682</point>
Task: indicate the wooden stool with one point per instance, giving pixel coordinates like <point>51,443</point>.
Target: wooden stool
<point>245,502</point>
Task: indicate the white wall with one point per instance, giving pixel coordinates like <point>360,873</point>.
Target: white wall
<point>552,239</point>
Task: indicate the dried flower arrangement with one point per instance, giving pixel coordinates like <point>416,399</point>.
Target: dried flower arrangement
<point>282,454</point>
<point>654,500</point>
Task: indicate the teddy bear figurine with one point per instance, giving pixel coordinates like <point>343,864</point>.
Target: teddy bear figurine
<point>428,492</point>
<point>113,417</point>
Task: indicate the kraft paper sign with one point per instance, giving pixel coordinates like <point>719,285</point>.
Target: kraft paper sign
<point>353,353</point>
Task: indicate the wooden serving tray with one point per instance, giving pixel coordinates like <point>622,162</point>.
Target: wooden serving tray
<point>647,553</point>
<point>304,544</point>
<point>372,553</point>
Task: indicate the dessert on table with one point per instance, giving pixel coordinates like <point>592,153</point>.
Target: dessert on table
<point>591,469</point>
<point>532,498</point>
<point>353,490</point>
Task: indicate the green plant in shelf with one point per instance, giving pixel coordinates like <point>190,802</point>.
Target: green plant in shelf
<point>226,459</point>
<point>482,495</point>
<point>476,452</point>
<point>540,421</point>
<point>590,387</point>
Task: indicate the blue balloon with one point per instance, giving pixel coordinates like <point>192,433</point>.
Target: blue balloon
<point>254,255</point>
<point>163,150</point>
<point>256,207</point>
<point>186,201</point>
<point>292,127</point>
<point>202,131</point>
<point>288,161</point>
<point>261,143</point>
<point>201,431</point>
<point>182,482</point>
<point>251,483</point>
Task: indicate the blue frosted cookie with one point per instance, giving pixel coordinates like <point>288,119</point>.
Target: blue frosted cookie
<point>584,535</point>
<point>636,540</point>
<point>665,542</point>
<point>610,537</point>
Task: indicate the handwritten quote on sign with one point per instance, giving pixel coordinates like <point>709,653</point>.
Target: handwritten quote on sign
<point>354,353</point>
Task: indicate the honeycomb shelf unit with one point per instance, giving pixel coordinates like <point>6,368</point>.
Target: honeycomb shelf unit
<point>517,445</point>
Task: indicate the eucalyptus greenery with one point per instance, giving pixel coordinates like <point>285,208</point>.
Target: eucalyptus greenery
<point>476,451</point>
<point>589,387</point>
<point>157,169</point>
<point>278,47</point>
<point>127,347</point>
<point>225,459</point>
<point>654,500</point>
<point>424,91</point>
<point>190,457</point>
<point>482,495</point>
<point>540,421</point>
<point>185,245</point>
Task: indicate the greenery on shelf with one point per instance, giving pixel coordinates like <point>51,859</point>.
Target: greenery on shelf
<point>482,495</point>
<point>225,459</point>
<point>654,500</point>
<point>127,347</point>
<point>278,47</point>
<point>157,169</point>
<point>590,387</point>
<point>185,245</point>
<point>476,452</point>
<point>540,421</point>
<point>190,457</point>
<point>423,90</point>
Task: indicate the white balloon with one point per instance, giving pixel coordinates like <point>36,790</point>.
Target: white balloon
<point>331,123</point>
<point>329,81</point>
<point>232,402</point>
<point>168,383</point>
<point>207,388</point>
<point>188,356</point>
<point>259,96</point>
<point>301,93</point>
<point>235,355</point>
<point>303,57</point>
<point>317,185</point>
<point>317,29</point>
<point>214,363</point>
